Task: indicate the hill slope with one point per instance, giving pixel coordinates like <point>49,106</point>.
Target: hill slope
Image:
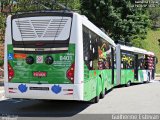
<point>152,44</point>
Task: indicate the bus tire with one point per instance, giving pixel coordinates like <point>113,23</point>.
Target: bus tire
<point>149,78</point>
<point>102,95</point>
<point>128,84</point>
<point>96,99</point>
<point>106,91</point>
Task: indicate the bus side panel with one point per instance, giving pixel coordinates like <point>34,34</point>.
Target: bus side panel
<point>95,82</point>
<point>89,84</point>
<point>127,75</point>
<point>107,76</point>
<point>142,75</point>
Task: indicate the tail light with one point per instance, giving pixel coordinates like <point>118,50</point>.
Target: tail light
<point>10,72</point>
<point>70,73</point>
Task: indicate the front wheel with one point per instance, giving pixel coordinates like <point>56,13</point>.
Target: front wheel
<point>96,99</point>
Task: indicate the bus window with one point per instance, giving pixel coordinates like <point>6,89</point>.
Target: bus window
<point>141,62</point>
<point>86,44</point>
<point>90,48</point>
<point>127,60</point>
<point>104,53</point>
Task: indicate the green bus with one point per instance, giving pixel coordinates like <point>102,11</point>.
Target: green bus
<point>61,55</point>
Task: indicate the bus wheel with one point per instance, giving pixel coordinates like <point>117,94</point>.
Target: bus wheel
<point>149,78</point>
<point>102,94</point>
<point>96,99</point>
<point>128,84</point>
<point>106,91</point>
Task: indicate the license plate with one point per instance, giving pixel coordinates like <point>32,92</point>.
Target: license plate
<point>39,74</point>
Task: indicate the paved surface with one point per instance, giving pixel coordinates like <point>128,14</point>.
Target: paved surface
<point>140,98</point>
<point>1,89</point>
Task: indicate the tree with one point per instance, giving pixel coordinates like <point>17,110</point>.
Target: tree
<point>155,16</point>
<point>118,18</point>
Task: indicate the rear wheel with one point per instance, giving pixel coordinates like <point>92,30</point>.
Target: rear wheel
<point>102,94</point>
<point>106,91</point>
<point>128,84</point>
<point>149,78</point>
<point>96,99</point>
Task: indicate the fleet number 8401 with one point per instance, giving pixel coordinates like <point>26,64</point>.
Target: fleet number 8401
<point>66,58</point>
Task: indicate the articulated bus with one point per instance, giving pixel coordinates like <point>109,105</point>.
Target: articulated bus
<point>61,55</point>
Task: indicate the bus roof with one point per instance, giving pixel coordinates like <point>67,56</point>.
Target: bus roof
<point>133,49</point>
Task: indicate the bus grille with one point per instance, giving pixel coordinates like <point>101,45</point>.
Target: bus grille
<point>41,28</point>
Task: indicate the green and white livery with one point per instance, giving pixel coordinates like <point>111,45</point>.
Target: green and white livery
<point>62,55</point>
<point>134,65</point>
<point>57,55</point>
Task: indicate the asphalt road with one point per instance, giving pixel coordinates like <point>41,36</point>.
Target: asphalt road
<point>140,98</point>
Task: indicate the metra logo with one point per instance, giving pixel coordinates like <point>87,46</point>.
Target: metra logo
<point>56,89</point>
<point>22,88</point>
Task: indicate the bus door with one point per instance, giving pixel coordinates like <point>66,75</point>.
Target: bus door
<point>136,67</point>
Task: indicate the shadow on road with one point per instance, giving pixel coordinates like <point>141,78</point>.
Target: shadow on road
<point>37,108</point>
<point>134,84</point>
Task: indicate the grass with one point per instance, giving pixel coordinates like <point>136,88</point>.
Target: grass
<point>151,44</point>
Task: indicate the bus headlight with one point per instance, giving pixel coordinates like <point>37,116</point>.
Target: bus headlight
<point>49,60</point>
<point>30,60</point>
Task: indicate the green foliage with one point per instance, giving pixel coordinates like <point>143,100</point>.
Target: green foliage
<point>72,4</point>
<point>155,17</point>
<point>151,44</point>
<point>2,27</point>
<point>118,18</point>
<point>138,43</point>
